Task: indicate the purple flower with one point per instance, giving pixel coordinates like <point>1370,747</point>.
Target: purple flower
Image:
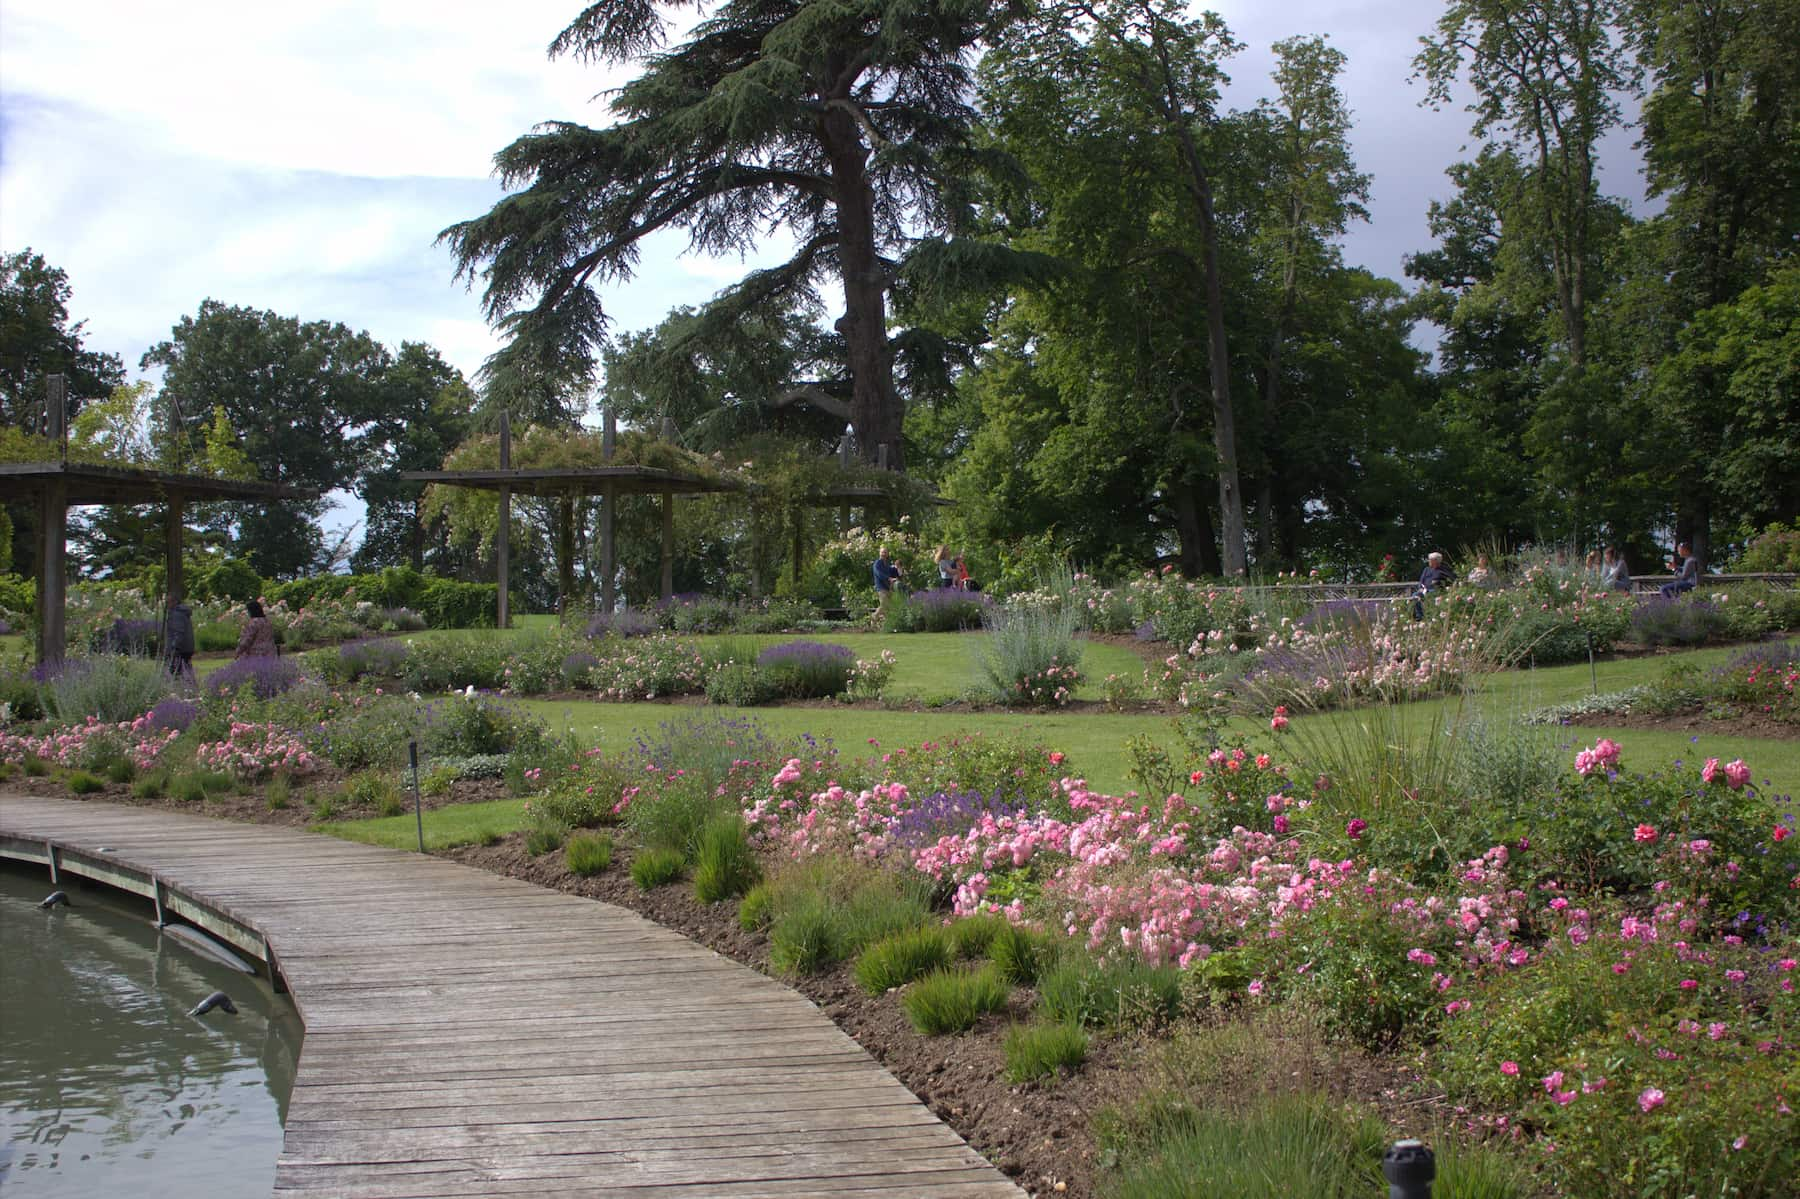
<point>629,623</point>
<point>950,814</point>
<point>380,656</point>
<point>269,677</point>
<point>174,713</point>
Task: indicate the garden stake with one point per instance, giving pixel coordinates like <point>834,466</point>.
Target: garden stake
<point>412,754</point>
<point>1409,1168</point>
<point>1592,672</point>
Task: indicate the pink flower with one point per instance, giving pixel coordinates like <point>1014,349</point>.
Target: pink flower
<point>1356,828</point>
<point>1644,832</point>
<point>1553,1081</point>
<point>1710,772</point>
<point>1277,723</point>
<point>1736,774</point>
<point>1782,832</point>
<point>1716,1031</point>
<point>1563,1098</point>
<point>1281,822</point>
<point>1509,1068</point>
<point>1688,984</point>
<point>1650,1099</point>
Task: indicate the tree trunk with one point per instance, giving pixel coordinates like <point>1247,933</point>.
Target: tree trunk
<point>876,409</point>
<point>1199,554</point>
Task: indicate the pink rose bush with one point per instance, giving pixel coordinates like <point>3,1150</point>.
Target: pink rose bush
<point>253,751</point>
<point>91,744</point>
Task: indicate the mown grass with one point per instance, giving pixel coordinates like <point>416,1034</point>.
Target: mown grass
<point>445,828</point>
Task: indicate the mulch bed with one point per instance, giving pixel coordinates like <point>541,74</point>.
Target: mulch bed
<point>1696,723</point>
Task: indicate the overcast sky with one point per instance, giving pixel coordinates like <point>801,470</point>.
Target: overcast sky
<point>303,158</point>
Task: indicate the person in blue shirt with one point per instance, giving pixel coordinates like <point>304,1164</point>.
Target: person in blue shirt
<point>885,572</point>
<point>1431,578</point>
<point>1687,571</point>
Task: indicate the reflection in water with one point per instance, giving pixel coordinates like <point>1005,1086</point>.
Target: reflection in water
<point>107,1085</point>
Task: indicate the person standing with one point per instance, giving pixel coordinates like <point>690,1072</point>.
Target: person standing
<point>886,574</point>
<point>946,567</point>
<point>258,637</point>
<point>178,640</point>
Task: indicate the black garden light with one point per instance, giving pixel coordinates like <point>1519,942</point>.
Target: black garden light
<point>1409,1168</point>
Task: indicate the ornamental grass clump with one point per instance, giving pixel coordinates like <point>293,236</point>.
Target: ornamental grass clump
<point>588,853</point>
<point>902,957</point>
<point>377,657</point>
<point>110,689</point>
<point>1031,657</point>
<point>1041,1050</point>
<point>973,936</point>
<point>724,864</point>
<point>807,669</point>
<point>1116,993</point>
<point>1020,954</point>
<point>953,1000</point>
<point>651,868</point>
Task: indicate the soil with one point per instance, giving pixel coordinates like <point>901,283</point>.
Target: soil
<point>1744,724</point>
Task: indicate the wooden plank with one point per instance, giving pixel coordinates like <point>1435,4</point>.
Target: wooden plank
<point>468,1035</point>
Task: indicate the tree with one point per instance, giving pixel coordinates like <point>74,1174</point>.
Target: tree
<point>36,339</point>
<point>844,124</point>
<point>1546,74</point>
<point>302,396</point>
<point>425,411</point>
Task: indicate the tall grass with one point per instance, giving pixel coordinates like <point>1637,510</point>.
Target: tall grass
<point>1023,643</point>
<point>724,865</point>
<point>113,688</point>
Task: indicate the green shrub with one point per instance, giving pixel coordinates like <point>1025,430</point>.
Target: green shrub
<point>214,636</point>
<point>652,867</point>
<point>277,792</point>
<point>482,724</point>
<point>373,789</point>
<point>953,1000</point>
<point>35,767</point>
<point>542,840</point>
<point>1031,656</point>
<point>802,937</point>
<point>83,783</point>
<point>739,685</point>
<point>438,780</point>
<point>229,579</point>
<point>724,865</point>
<point>898,959</point>
<point>153,785</point>
<point>973,936</point>
<point>588,853</point>
<point>1040,1050</point>
<point>120,770</point>
<point>325,806</point>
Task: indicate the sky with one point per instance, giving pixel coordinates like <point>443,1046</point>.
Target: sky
<point>303,158</point>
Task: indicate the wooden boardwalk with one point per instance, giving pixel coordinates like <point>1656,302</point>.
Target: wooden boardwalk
<point>468,1034</point>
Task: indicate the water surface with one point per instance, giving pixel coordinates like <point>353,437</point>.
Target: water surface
<point>107,1086</point>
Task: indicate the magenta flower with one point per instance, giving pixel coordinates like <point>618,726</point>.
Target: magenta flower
<point>1510,1069</point>
<point>1356,828</point>
<point>1281,822</point>
<point>1650,1099</point>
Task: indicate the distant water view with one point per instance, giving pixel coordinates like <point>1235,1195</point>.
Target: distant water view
<point>107,1085</point>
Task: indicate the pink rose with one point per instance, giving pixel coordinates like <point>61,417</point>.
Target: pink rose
<point>1736,774</point>
<point>1510,1069</point>
<point>1650,1099</point>
<point>1644,832</point>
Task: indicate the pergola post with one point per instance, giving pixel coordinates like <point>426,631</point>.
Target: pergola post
<point>668,544</point>
<point>503,616</point>
<point>52,593</point>
<point>610,502</point>
<point>174,584</point>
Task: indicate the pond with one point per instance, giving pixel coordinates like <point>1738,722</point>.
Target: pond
<point>107,1085</point>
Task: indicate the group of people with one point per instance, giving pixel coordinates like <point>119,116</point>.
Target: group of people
<point>258,639</point>
<point>1607,568</point>
<point>952,573</point>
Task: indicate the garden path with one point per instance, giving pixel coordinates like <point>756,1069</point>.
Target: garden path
<point>467,1034</point>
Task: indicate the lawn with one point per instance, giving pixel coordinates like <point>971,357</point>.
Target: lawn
<point>445,828</point>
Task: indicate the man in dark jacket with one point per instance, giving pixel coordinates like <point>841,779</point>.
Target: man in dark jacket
<point>1431,578</point>
<point>178,640</point>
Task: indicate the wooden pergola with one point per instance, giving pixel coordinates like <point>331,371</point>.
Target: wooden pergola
<point>608,481</point>
<point>56,486</point>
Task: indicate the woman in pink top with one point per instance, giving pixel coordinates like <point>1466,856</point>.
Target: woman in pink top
<point>258,638</point>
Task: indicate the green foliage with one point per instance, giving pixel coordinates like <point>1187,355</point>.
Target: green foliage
<point>1118,993</point>
<point>229,579</point>
<point>373,789</point>
<point>973,937</point>
<point>83,783</point>
<point>953,1000</point>
<point>120,770</point>
<point>588,853</point>
<point>1776,550</point>
<point>898,959</point>
<point>757,908</point>
<point>740,685</point>
<point>278,792</point>
<point>152,785</point>
<point>1035,1051</point>
<point>652,867</point>
<point>725,866</point>
<point>1031,656</point>
<point>1020,954</point>
<point>188,788</point>
<point>112,688</point>
<point>543,839</point>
